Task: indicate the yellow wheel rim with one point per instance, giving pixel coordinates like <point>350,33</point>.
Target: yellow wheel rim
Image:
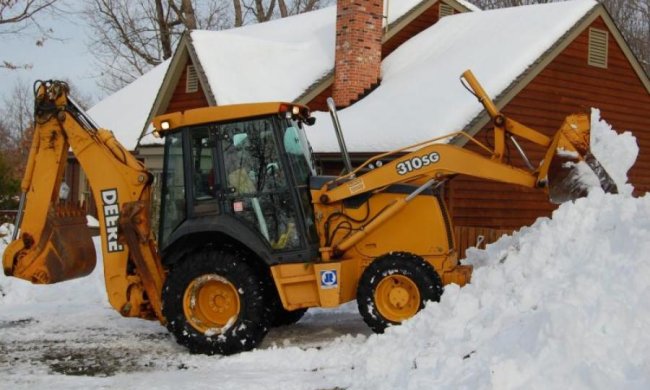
<point>397,298</point>
<point>211,304</point>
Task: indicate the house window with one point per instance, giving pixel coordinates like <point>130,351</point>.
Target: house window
<point>192,82</point>
<point>445,10</point>
<point>598,48</point>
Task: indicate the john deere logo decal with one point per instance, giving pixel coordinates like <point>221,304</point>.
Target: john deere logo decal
<point>111,209</point>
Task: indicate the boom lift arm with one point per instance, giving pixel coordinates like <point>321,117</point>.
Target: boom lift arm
<point>54,243</point>
<point>430,163</point>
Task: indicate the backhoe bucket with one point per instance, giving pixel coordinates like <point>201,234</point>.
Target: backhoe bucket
<point>572,168</point>
<point>65,251</point>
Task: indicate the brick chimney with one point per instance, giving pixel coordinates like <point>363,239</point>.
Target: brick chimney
<point>358,49</point>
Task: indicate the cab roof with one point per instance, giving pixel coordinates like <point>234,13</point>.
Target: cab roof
<point>215,114</point>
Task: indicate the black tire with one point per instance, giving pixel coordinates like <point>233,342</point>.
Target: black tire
<point>277,314</point>
<point>283,317</point>
<point>395,268</point>
<point>222,268</point>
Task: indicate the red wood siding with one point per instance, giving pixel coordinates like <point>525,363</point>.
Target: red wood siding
<point>182,100</point>
<point>566,86</point>
<point>319,103</point>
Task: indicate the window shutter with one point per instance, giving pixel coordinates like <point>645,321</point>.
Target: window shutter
<point>445,10</point>
<point>192,82</point>
<point>598,49</point>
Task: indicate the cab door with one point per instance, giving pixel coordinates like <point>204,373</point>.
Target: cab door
<point>256,189</point>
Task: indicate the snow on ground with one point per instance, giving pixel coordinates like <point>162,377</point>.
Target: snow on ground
<point>563,303</point>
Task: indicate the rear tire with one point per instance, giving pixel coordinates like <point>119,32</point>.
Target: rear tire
<point>394,288</point>
<point>214,303</point>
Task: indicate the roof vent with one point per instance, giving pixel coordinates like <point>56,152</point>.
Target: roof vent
<point>192,82</point>
<point>598,48</point>
<point>445,10</point>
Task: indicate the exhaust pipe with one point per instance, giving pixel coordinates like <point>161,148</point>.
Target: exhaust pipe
<point>339,134</point>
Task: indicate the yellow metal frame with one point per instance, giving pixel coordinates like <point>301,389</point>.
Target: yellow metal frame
<point>330,281</point>
<point>299,284</point>
<point>108,167</point>
<point>227,113</point>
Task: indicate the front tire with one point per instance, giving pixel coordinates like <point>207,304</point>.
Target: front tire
<point>214,303</point>
<point>394,288</point>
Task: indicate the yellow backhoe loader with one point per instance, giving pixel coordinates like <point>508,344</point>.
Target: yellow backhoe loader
<point>250,237</point>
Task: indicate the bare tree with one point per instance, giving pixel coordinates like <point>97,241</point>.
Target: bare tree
<point>17,120</point>
<point>132,37</point>
<point>16,16</point>
<point>264,10</point>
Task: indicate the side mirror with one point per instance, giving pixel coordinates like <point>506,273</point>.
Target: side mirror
<point>310,121</point>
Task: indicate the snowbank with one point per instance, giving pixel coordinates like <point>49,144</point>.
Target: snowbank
<point>88,290</point>
<point>616,152</point>
<point>561,304</point>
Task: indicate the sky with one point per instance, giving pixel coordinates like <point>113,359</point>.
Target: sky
<point>67,56</point>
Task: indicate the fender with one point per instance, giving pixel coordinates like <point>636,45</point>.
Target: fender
<point>224,225</point>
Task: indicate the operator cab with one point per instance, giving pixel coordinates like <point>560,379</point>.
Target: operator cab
<point>241,172</point>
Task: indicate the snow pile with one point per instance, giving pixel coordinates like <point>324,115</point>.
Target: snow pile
<point>88,290</point>
<point>562,304</point>
<point>615,152</point>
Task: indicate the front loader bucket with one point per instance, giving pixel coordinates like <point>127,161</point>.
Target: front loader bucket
<point>65,251</point>
<point>572,168</point>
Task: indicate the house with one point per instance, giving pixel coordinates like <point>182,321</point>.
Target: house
<point>540,63</point>
<point>397,82</point>
<point>290,59</point>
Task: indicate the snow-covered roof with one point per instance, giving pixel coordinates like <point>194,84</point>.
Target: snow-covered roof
<point>270,61</point>
<point>126,111</point>
<point>469,6</point>
<point>276,60</point>
<point>420,96</point>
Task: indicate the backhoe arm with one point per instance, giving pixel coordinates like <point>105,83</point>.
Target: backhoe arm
<point>435,161</point>
<point>54,243</point>
<point>430,163</point>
